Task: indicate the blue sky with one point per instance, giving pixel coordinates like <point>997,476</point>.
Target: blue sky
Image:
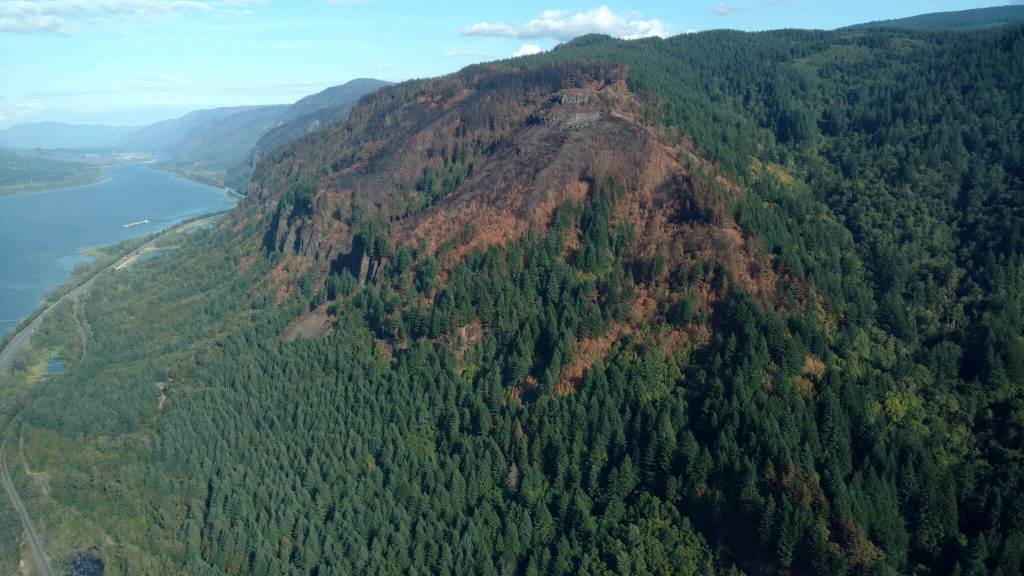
<point>137,61</point>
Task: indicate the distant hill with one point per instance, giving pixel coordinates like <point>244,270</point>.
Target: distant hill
<point>344,94</point>
<point>23,171</point>
<point>963,20</point>
<point>305,116</point>
<point>59,135</point>
<point>230,138</point>
<point>218,145</point>
<point>312,112</point>
<point>168,135</point>
<point>205,144</point>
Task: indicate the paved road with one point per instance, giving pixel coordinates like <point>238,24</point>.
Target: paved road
<point>24,336</point>
<point>41,561</point>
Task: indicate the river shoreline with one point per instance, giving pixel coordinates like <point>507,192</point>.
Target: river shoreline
<point>96,174</point>
<point>191,177</point>
<point>46,235</point>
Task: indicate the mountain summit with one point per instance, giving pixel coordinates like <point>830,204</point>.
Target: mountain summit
<point>484,156</point>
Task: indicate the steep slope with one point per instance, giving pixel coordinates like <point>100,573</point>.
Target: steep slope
<point>480,158</point>
<point>231,138</point>
<point>205,144</point>
<point>227,141</point>
<point>166,137</point>
<point>343,95</point>
<point>304,116</point>
<point>210,150</point>
<point>720,303</point>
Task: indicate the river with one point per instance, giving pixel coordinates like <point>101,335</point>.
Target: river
<point>43,234</point>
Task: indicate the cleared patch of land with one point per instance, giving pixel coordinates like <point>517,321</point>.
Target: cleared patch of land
<point>97,251</point>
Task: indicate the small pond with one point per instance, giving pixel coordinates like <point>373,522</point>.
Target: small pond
<point>148,256</point>
<point>55,366</point>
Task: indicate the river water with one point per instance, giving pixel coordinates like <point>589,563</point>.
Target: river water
<point>43,234</point>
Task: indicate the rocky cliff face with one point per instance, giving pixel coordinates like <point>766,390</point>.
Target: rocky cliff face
<point>481,157</point>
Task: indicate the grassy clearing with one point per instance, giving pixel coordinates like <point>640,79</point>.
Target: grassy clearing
<point>99,251</point>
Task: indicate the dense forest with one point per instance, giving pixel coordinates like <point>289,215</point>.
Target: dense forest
<point>800,353</point>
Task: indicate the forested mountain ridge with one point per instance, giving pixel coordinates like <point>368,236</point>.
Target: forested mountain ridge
<point>724,302</point>
<point>315,111</point>
<point>961,20</point>
<point>167,136</point>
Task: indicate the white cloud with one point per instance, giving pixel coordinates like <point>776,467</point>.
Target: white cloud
<point>349,2</point>
<point>467,54</point>
<point>722,9</point>
<point>71,16</point>
<point>527,50</point>
<point>563,25</point>
<point>232,11</point>
<point>16,8</point>
<point>384,66</point>
<point>27,23</point>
